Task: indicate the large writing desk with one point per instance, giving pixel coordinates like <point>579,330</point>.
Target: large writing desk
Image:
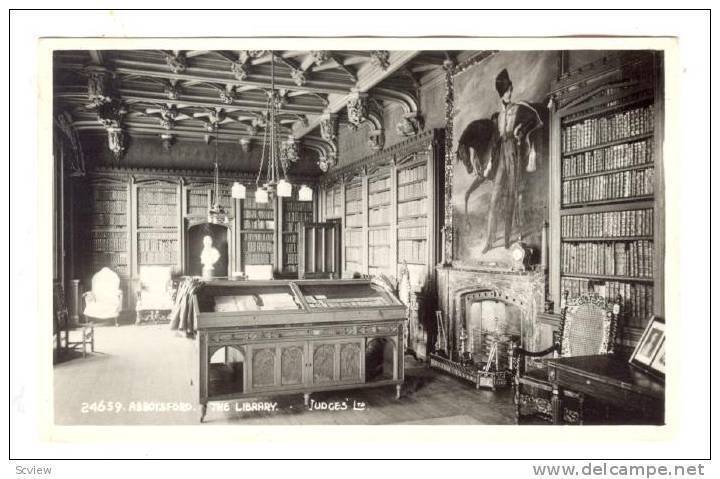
<point>263,338</point>
<point>639,397</point>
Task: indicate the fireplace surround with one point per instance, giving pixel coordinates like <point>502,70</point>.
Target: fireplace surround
<point>514,297</point>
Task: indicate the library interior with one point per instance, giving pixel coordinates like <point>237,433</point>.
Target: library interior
<point>358,237</point>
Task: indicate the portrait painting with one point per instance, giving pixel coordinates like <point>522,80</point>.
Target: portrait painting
<point>501,155</point>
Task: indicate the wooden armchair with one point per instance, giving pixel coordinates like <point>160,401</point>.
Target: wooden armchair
<point>104,300</point>
<point>76,336</point>
<point>588,326</point>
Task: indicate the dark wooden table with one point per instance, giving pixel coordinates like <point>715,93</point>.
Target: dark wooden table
<point>610,380</point>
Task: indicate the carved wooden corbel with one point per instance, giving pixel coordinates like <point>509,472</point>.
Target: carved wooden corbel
<point>176,60</point>
<point>380,58</point>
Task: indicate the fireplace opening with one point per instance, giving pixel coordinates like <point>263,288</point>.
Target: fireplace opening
<point>491,326</point>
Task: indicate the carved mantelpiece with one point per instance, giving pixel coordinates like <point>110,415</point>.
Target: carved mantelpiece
<point>526,290</point>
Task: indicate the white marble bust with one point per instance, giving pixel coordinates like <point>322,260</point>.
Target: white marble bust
<point>208,257</point>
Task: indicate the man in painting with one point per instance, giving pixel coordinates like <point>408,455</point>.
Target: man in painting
<point>512,150</point>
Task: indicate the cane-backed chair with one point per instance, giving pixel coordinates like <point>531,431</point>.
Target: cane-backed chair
<point>588,325</point>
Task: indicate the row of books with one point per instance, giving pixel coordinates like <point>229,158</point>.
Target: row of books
<point>353,193</point>
<point>121,268</point>
<point>354,221</point>
<point>103,206</point>
<point>353,254</point>
<point>268,237</point>
<point>108,219</point>
<point>293,227</point>
<point>384,197</point>
<point>165,197</point>
<point>353,207</point>
<point>157,257</point>
<point>631,258</point>
<point>379,216</point>
<point>197,199</point>
<point>258,224</point>
<point>111,260</point>
<point>258,214</point>
<point>608,224</point>
<point>416,173</point>
<point>108,241</point>
<point>290,247</point>
<point>297,216</point>
<point>412,208</point>
<point>108,194</point>
<point>250,203</point>
<point>412,190</point>
<point>596,131</point>
<point>257,258</point>
<point>291,258</point>
<point>412,232</point>
<point>610,158</point>
<point>636,298</point>
<point>353,238</point>
<point>379,237</point>
<point>157,215</point>
<point>258,246</point>
<point>304,206</point>
<point>625,184</point>
<point>378,184</point>
<point>379,255</point>
<point>412,251</point>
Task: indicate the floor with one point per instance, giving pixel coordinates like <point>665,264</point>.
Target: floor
<point>143,375</point>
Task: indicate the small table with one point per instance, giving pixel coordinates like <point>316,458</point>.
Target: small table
<point>610,380</point>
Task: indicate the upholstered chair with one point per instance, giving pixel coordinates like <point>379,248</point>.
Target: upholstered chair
<point>104,301</point>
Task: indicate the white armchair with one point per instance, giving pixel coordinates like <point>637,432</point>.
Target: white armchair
<point>104,300</point>
<point>155,294</point>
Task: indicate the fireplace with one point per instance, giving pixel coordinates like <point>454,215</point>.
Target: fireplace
<point>491,323</point>
<point>484,309</point>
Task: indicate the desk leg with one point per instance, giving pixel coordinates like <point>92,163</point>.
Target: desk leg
<point>203,411</point>
<point>398,391</point>
<point>556,405</point>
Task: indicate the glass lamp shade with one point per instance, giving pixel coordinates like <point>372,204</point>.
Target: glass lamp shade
<point>305,193</point>
<point>261,195</point>
<point>284,189</point>
<point>238,191</point>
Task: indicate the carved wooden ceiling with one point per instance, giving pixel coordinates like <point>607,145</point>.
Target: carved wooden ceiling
<point>187,95</point>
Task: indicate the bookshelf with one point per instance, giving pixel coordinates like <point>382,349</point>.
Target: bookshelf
<point>333,202</point>
<point>354,227</point>
<point>107,220</point>
<point>607,185</point>
<point>412,214</point>
<point>157,225</point>
<point>294,214</point>
<point>380,220</point>
<point>257,234</point>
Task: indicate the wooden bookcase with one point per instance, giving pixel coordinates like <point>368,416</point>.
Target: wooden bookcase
<point>380,221</point>
<point>389,204</point>
<point>156,224</point>
<point>295,213</point>
<point>106,213</point>
<point>607,231</point>
<point>258,234</point>
<point>354,227</point>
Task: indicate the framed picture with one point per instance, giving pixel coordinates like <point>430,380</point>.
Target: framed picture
<point>649,353</point>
